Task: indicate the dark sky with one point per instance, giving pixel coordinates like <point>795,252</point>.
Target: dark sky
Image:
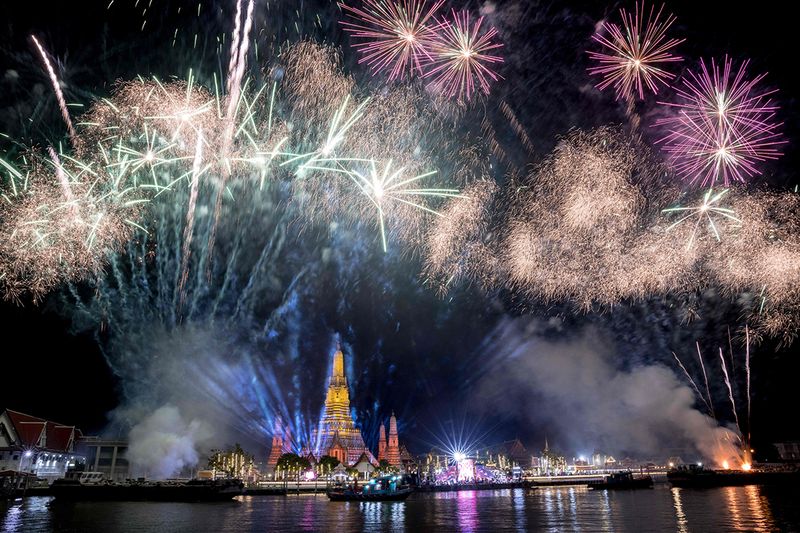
<point>50,372</point>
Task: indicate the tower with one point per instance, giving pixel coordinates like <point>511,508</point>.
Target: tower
<point>382,443</point>
<point>393,448</point>
<point>337,425</point>
<point>281,442</point>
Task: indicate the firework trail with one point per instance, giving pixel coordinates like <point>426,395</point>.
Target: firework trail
<point>237,67</point>
<point>463,57</point>
<point>730,390</point>
<point>747,372</point>
<point>234,52</point>
<point>635,53</point>
<point>724,126</point>
<point>188,230</point>
<point>693,384</point>
<point>395,36</point>
<point>62,104</point>
<point>62,178</point>
<point>705,378</point>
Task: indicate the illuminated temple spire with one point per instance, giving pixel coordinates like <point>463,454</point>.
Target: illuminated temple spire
<point>382,443</point>
<point>337,401</point>
<point>337,425</point>
<point>393,448</point>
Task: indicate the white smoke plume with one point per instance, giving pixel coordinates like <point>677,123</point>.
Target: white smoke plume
<point>164,443</point>
<point>577,390</point>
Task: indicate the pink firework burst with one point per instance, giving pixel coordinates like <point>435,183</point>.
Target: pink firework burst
<point>462,57</point>
<point>395,35</point>
<point>634,55</point>
<point>724,127</point>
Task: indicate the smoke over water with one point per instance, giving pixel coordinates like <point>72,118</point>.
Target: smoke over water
<point>165,443</point>
<point>575,391</point>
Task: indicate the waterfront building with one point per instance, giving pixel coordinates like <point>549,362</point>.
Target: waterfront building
<point>106,456</point>
<point>364,467</point>
<point>37,446</point>
<point>788,451</point>
<point>551,463</point>
<point>504,456</point>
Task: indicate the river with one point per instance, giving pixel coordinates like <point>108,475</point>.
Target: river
<point>554,509</point>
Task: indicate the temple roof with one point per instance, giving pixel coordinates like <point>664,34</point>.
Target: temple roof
<point>30,430</point>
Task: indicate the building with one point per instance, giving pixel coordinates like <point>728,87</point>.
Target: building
<point>281,443</point>
<point>37,446</point>
<point>788,451</point>
<point>382,444</point>
<point>106,456</point>
<point>505,456</point>
<point>365,467</point>
<point>391,451</point>
<point>337,434</point>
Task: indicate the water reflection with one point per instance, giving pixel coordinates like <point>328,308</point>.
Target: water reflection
<point>467,510</point>
<point>553,509</point>
<point>307,518</point>
<point>758,506</point>
<point>13,518</point>
<point>605,511</point>
<point>748,511</point>
<point>679,514</point>
<point>518,502</point>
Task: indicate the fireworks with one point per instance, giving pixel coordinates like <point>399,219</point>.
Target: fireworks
<point>385,186</point>
<point>706,211</point>
<point>454,245</point>
<point>635,54</point>
<point>587,228</point>
<point>395,36</point>
<point>727,454</point>
<point>463,57</point>
<point>155,138</point>
<point>61,220</point>
<point>62,104</point>
<point>724,126</point>
<point>403,37</point>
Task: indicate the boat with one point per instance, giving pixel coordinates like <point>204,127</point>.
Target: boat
<point>380,489</point>
<point>698,477</point>
<point>622,481</point>
<point>93,487</point>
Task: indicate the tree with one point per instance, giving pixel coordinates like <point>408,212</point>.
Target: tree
<point>386,467</point>
<point>292,463</point>
<point>327,463</point>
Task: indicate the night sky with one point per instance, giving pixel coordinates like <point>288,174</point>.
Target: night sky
<point>428,357</point>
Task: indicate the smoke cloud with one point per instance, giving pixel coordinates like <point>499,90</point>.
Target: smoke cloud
<point>165,443</point>
<point>576,391</point>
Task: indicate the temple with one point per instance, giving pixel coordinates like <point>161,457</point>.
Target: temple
<point>337,434</point>
<point>281,443</point>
